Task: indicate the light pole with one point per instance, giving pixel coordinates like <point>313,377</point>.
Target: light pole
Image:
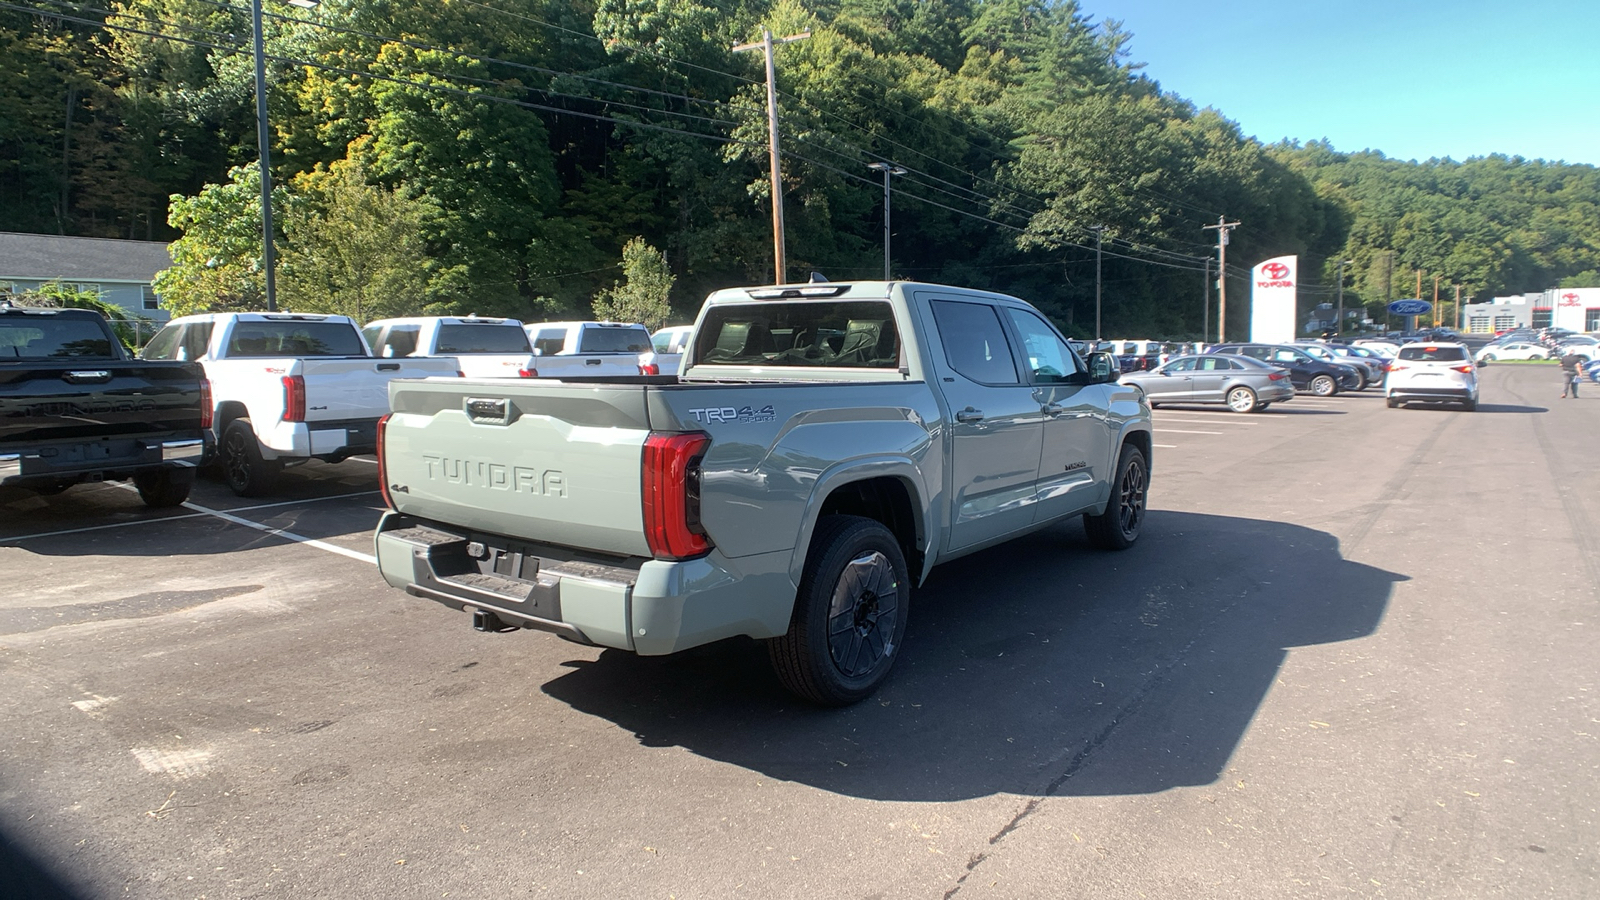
<point>1338,327</point>
<point>1099,233</point>
<point>264,149</point>
<point>887,169</point>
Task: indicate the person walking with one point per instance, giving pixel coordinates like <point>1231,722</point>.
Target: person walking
<point>1571,373</point>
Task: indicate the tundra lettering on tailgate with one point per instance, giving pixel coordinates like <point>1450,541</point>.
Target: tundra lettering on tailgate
<point>495,476</point>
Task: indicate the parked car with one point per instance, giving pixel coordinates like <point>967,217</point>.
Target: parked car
<point>1512,350</point>
<point>1138,355</point>
<point>75,407</point>
<point>1242,383</point>
<point>482,347</point>
<point>1581,344</point>
<point>1306,372</point>
<point>1434,373</point>
<point>1386,349</point>
<point>591,349</point>
<point>287,388</point>
<point>782,487</point>
<point>1368,372</point>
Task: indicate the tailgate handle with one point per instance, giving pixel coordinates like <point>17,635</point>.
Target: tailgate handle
<point>388,367</point>
<point>488,410</point>
<point>87,375</point>
<point>593,362</point>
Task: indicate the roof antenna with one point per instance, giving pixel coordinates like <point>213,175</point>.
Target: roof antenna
<point>818,278</point>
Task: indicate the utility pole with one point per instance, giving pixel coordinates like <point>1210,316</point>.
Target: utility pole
<point>1458,308</point>
<point>1223,226</point>
<point>887,169</point>
<point>765,45</point>
<point>264,150</point>
<point>1411,321</point>
<point>1205,306</point>
<point>1436,300</point>
<point>1339,325</point>
<point>1099,233</point>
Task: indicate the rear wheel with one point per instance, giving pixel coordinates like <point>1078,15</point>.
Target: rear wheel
<point>1490,357</point>
<point>1118,527</point>
<point>1324,386</point>
<point>1394,402</point>
<point>1469,404</point>
<point>164,487</point>
<point>849,614</point>
<point>247,472</point>
<point>1242,400</point>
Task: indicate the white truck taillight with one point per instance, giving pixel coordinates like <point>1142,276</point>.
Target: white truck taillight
<point>649,369</point>
<point>671,495</point>
<point>527,373</point>
<point>294,398</point>
<point>205,403</point>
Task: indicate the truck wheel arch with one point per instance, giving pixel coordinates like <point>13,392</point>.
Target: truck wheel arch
<point>886,491</point>
<point>227,411</point>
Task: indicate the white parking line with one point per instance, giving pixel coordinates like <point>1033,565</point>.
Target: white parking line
<point>1181,431</point>
<point>298,538</point>
<point>1166,446</point>
<point>206,511</point>
<point>1205,421</point>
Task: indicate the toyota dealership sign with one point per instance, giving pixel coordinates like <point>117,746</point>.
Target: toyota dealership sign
<point>1272,300</point>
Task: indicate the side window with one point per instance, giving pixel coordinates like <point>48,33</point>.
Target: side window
<point>1261,353</point>
<point>164,345</point>
<point>196,340</point>
<point>1048,355</point>
<point>400,341</point>
<point>1183,365</point>
<point>975,342</point>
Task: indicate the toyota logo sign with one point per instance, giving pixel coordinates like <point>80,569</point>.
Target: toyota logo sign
<point>1275,270</point>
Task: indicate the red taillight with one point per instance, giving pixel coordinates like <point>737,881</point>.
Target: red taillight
<point>1277,376</point>
<point>205,403</point>
<point>527,373</point>
<point>649,369</point>
<point>383,469</point>
<point>294,398</point>
<point>1396,367</point>
<point>672,495</point>
<point>1462,368</point>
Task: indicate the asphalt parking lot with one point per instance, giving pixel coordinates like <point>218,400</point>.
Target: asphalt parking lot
<point>1352,655</point>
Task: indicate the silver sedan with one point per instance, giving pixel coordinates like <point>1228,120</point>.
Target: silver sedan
<point>1242,383</point>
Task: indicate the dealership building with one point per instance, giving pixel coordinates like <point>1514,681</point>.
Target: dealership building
<point>1575,309</point>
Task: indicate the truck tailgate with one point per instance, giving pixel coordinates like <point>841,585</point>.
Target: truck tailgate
<point>339,389</point>
<point>52,401</point>
<point>546,462</point>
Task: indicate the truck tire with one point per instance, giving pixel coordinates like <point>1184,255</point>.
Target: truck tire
<point>164,488</point>
<point>1118,527</point>
<point>849,614</point>
<point>243,467</point>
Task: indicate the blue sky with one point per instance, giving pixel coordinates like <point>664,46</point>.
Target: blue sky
<point>1412,78</point>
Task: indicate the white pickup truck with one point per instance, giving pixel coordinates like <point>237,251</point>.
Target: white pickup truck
<point>482,347</point>
<point>590,349</point>
<point>287,387</point>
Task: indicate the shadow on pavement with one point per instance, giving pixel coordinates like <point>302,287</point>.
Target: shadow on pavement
<point>22,877</point>
<point>1039,667</point>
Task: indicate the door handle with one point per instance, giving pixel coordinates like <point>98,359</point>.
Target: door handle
<point>969,415</point>
<point>1054,409</point>
<point>388,367</point>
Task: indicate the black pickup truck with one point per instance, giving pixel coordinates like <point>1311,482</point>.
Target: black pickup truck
<point>75,407</point>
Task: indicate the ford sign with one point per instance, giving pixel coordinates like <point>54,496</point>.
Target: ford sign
<point>1410,307</point>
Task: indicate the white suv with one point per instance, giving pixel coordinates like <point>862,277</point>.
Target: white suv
<point>1439,373</point>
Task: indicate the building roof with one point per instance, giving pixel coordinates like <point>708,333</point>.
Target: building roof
<point>54,256</point>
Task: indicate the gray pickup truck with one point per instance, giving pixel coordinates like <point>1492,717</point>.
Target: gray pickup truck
<point>823,448</point>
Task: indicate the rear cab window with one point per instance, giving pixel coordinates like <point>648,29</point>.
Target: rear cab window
<point>294,338</point>
<point>613,339</point>
<point>856,334</point>
<point>975,342</point>
<point>53,337</point>
<point>482,338</point>
<point>1416,353</point>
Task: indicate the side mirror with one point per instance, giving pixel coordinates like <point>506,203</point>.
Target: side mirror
<point>1103,368</point>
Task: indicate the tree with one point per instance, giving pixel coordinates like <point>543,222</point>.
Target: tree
<point>352,248</point>
<point>642,296</point>
<point>216,265</point>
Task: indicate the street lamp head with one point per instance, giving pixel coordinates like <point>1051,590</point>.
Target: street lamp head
<point>890,168</point>
<point>303,4</point>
